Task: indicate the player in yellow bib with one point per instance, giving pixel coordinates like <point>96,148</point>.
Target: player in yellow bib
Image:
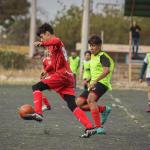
<point>101,68</point>
<point>74,62</point>
<point>86,69</point>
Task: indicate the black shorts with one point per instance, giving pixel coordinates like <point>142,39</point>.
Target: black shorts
<point>99,90</point>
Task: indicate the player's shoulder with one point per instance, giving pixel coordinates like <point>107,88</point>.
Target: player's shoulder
<point>103,54</point>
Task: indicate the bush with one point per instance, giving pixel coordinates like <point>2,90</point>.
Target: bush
<point>12,60</point>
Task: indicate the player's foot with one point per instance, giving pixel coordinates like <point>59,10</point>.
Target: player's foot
<point>148,110</point>
<point>100,130</point>
<point>45,108</point>
<point>105,114</point>
<point>34,116</point>
<point>88,133</point>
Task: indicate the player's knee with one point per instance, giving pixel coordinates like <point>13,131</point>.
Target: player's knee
<point>90,101</point>
<point>40,86</point>
<point>91,98</point>
<point>35,87</point>
<point>79,102</point>
<point>70,99</point>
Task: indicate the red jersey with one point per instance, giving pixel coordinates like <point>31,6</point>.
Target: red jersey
<point>47,65</point>
<point>58,55</point>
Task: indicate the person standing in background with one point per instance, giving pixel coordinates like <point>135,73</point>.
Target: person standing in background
<point>135,38</point>
<point>74,62</point>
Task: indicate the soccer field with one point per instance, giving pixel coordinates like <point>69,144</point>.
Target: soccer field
<point>128,127</point>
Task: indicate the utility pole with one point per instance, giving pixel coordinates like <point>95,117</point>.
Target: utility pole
<point>32,28</point>
<point>85,29</point>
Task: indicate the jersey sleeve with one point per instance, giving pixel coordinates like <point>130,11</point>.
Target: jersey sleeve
<point>104,61</point>
<point>52,42</point>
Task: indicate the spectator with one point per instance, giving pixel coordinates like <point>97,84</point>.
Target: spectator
<point>135,37</point>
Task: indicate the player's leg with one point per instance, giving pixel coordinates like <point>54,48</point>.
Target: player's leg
<point>137,46</point>
<point>47,105</point>
<point>80,115</point>
<point>37,98</point>
<point>132,47</point>
<point>81,101</point>
<point>95,111</point>
<point>93,96</point>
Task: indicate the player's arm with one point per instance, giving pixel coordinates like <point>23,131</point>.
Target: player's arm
<point>78,64</point>
<point>52,42</point>
<point>43,74</point>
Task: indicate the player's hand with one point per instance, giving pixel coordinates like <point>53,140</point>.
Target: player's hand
<point>91,86</point>
<point>84,82</point>
<point>43,75</point>
<point>140,80</point>
<point>37,43</point>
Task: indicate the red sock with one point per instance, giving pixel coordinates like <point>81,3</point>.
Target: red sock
<point>101,108</point>
<point>81,116</point>
<point>37,101</point>
<point>46,102</point>
<point>96,117</point>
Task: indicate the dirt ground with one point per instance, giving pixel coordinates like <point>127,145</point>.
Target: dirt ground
<point>128,127</point>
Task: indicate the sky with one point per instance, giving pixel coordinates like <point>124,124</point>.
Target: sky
<point>47,9</point>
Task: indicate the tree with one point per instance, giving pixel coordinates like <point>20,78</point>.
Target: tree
<point>68,26</point>
<point>10,10</point>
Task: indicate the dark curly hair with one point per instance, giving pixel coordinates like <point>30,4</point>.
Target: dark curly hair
<point>44,28</point>
<point>95,40</point>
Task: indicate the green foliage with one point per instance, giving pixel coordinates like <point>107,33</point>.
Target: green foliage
<point>68,26</point>
<point>115,26</point>
<point>12,60</point>
<point>10,10</point>
<point>14,21</point>
<point>18,32</point>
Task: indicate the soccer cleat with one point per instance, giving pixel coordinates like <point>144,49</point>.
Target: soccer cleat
<point>148,110</point>
<point>100,130</point>
<point>105,114</point>
<point>45,108</point>
<point>34,116</point>
<point>88,133</point>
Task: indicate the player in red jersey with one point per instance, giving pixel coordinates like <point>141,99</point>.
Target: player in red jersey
<point>60,79</point>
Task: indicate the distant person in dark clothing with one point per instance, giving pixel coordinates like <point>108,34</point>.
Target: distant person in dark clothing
<point>135,37</point>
